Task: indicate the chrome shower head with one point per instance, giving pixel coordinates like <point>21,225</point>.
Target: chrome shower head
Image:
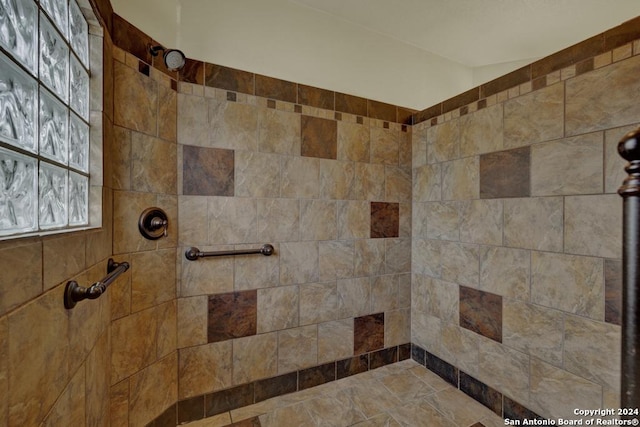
<point>173,59</point>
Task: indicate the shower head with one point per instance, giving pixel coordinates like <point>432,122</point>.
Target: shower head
<point>173,58</point>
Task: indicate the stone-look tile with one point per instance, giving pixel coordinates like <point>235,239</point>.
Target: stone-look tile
<point>315,97</point>
<point>353,142</point>
<point>231,220</point>
<point>152,390</point>
<point>133,344</point>
<point>193,124</point>
<point>427,183</point>
<point>97,383</point>
<point>613,291</point>
<point>614,165</point>
<point>406,214</point>
<point>127,207</point>
<point>592,350</point>
<point>277,308</point>
<point>437,298</point>
<point>370,257</point>
<point>384,293</point>
<point>460,179</point>
<point>600,99</point>
<point>555,393</point>
<point>445,371</point>
<point>460,263</point>
<point>534,223</point>
<point>190,409</point>
<point>443,142</point>
<point>204,368</point>
<point>232,315</point>
<point>368,333</point>
<point>354,219</point>
<point>380,358</point>
<point>319,138</point>
<point>56,268</point>
<point>20,274</point>
<point>426,256</point>
<point>289,415</point>
<point>381,420</point>
<point>278,220</point>
<point>191,321</point>
<point>354,297</point>
<point>276,386</point>
<point>282,90</point>
<point>226,400</point>
<point>198,277</point>
<point>481,132</point>
<point>257,174</point>
<point>192,222</point>
<point>397,255</point>
<point>255,357</point>
<point>318,220</point>
<point>278,132</point>
<point>335,340</point>
<point>504,369</point>
<point>297,348</point>
<point>426,331</point>
<point>535,117</point>
<point>351,366</point>
<point>193,72</point>
<point>442,220</point>
<point>419,145</point>
<point>458,346</point>
<point>317,375</point>
<point>336,259</point>
<point>336,179</point>
<point>231,125</point>
<point>416,413</point>
<point>505,174</point>
<point>334,410</point>
<point>167,114</point>
<point>481,312</point>
<point>481,222</point>
<point>385,146</point>
<point>207,171</point>
<point>119,403</point>
<point>384,219</point>
<point>397,184</point>
<point>382,111</point>
<point>129,38</point>
<point>298,262</point>
<point>397,327</point>
<point>406,148</point>
<point>582,290</point>
<point>481,392</point>
<point>568,166</point>
<point>252,272</point>
<point>351,104</point>
<point>36,365</point>
<point>406,386</point>
<point>453,404</point>
<point>135,100</point>
<point>300,177</point>
<point>533,330</point>
<point>515,411</point>
<point>153,277</point>
<point>592,225</point>
<point>229,78</point>
<point>70,407</point>
<point>4,367</point>
<point>121,159</point>
<point>318,302</point>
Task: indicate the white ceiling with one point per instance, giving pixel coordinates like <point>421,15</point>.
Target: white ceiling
<point>478,33</point>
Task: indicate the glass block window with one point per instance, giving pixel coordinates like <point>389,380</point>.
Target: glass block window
<point>44,116</point>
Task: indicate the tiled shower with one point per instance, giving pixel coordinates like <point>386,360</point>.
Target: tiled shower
<point>479,237</point>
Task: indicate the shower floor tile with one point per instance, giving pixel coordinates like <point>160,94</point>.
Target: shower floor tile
<point>402,394</point>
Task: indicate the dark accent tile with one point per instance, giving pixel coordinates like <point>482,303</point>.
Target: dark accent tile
<point>130,39</point>
<point>405,115</point>
<point>207,171</point>
<point>465,98</point>
<point>514,78</point>
<point>231,96</point>
<point>351,104</point>
<point>228,78</point>
<point>297,109</point>
<point>319,137</point>
<point>404,128</point>
<point>427,114</point>
<point>191,409</point>
<point>193,72</point>
<point>174,85</point>
<point>385,125</point>
<point>232,315</point>
<point>276,386</point>
<point>229,399</point>
<point>515,411</point>
<point>351,366</point>
<point>282,90</point>
<point>249,422</point>
<point>271,103</point>
<point>382,111</point>
<point>613,291</point>
<point>317,375</point>
<point>404,352</point>
<point>584,66</point>
<point>586,49</point>
<point>383,357</point>
<point>481,312</point>
<point>368,333</point>
<point>314,97</point>
<point>464,110</point>
<point>622,34</point>
<point>143,68</point>
<point>338,116</point>
<point>167,419</point>
<point>359,120</point>
<point>443,369</point>
<point>481,392</point>
<point>385,219</point>
<point>505,174</point>
<point>482,104</point>
<point>478,424</point>
<point>418,354</point>
<point>105,13</point>
<point>539,83</point>
<point>434,121</point>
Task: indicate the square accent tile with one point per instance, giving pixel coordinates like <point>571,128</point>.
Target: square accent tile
<point>368,333</point>
<point>207,171</point>
<point>232,315</point>
<point>481,312</point>
<point>319,138</point>
<point>385,219</point>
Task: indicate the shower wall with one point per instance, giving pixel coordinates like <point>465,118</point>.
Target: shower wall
<point>517,231</point>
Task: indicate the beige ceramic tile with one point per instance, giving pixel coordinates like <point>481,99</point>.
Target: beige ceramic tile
<point>385,146</point>
<point>384,293</point>
<point>442,299</point>
<point>277,308</point>
<point>300,177</point>
<point>232,125</point>
<point>220,420</point>
<point>481,132</point>
<point>62,257</point>
<point>121,158</point>
<point>167,113</point>
<point>255,357</point>
<point>427,183</point>
<point>196,275</point>
<point>354,219</point>
<point>97,383</point>
<point>278,132</point>
<point>353,142</point>
<point>426,332</point>
<point>318,302</point>
<point>278,220</point>
<point>167,328</point>
<point>460,179</point>
<point>152,390</point>
<point>505,271</point>
<point>135,100</point>
<point>69,409</point>
<point>297,348</point>
<point>153,164</point>
<point>153,277</point>
<point>442,220</point>
<point>354,297</point>
<point>368,184</point>
<point>192,321</point>
<point>193,125</point>
<point>336,259</point>
<point>4,367</point>
<point>460,347</point>
<point>318,220</point>
<point>335,340</point>
<point>336,179</point>
<point>204,369</point>
<point>534,223</point>
<point>256,174</point>
<point>193,222</point>
<point>370,256</point>
<point>443,142</point>
<point>592,225</point>
<point>127,209</point>
<point>293,415</point>
<point>397,255</point>
<point>481,222</point>
<point>232,220</point>
<point>426,257</point>
<point>397,327</point>
<point>454,406</point>
<point>460,263</point>
<point>370,397</point>
<point>20,274</point>
<point>119,403</point>
<point>397,184</point>
<point>504,369</point>
<point>298,262</point>
<point>257,272</point>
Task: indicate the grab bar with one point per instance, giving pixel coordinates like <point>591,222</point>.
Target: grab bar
<point>192,254</point>
<point>74,293</point>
